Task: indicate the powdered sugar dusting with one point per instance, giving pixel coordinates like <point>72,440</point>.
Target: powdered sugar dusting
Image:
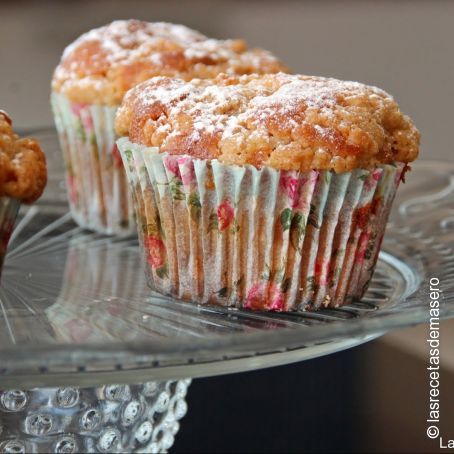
<point>132,40</point>
<point>125,53</point>
<point>129,39</point>
<point>270,120</point>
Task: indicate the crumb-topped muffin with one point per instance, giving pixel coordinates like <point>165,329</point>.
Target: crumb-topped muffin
<point>266,192</point>
<point>283,121</point>
<point>23,173</point>
<point>101,65</point>
<point>23,176</point>
<point>89,83</point>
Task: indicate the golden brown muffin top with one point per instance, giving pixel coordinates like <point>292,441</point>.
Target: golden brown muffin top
<point>101,65</point>
<point>23,172</point>
<point>289,122</point>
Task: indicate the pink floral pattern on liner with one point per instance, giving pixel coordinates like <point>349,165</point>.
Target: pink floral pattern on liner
<point>186,169</point>
<point>265,295</point>
<point>87,120</point>
<point>116,156</point>
<point>171,164</point>
<point>78,109</point>
<point>362,247</point>
<point>289,184</point>
<point>156,251</point>
<point>225,214</point>
<point>370,183</point>
<point>322,269</point>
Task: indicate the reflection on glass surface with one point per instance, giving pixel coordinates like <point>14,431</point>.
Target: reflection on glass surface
<point>104,276</point>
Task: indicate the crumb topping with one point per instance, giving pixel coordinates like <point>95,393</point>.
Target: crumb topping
<point>101,65</point>
<point>288,122</point>
<point>23,173</point>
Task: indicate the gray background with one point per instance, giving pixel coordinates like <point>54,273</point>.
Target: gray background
<point>404,47</point>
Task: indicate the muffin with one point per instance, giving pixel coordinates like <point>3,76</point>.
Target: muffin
<point>266,192</point>
<point>89,84</point>
<point>23,176</point>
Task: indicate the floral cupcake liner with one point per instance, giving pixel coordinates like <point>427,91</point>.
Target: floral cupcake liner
<point>257,239</point>
<point>8,213</point>
<point>96,183</point>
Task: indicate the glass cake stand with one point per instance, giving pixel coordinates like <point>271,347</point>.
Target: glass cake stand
<point>76,317</point>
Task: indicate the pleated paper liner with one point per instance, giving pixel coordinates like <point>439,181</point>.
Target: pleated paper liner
<point>257,238</point>
<point>8,213</point>
<point>98,192</point>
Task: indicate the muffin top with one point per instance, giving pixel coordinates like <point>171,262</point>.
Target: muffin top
<point>101,65</point>
<point>288,122</point>
<point>23,173</point>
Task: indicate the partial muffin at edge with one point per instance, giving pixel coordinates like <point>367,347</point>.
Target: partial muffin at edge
<point>23,173</point>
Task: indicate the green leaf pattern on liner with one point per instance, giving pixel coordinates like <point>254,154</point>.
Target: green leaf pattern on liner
<point>310,283</point>
<point>223,292</point>
<point>286,284</point>
<point>370,247</point>
<point>296,222</point>
<point>130,159</point>
<point>327,176</point>
<point>194,206</point>
<point>266,275</point>
<point>163,271</point>
<point>175,186</point>
<point>334,276</point>
<point>213,222</point>
<point>237,283</point>
<point>94,146</point>
<point>193,200</point>
<point>298,229</point>
<point>81,131</point>
<point>286,218</point>
<point>312,219</point>
<point>234,291</point>
<point>235,227</point>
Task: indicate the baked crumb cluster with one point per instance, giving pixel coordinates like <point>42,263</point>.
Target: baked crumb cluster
<point>101,65</point>
<point>288,122</point>
<point>23,173</point>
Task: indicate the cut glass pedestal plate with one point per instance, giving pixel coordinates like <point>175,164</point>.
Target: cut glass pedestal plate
<point>92,361</point>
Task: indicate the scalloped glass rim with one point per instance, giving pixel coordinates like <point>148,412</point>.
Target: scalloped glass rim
<point>417,246</point>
